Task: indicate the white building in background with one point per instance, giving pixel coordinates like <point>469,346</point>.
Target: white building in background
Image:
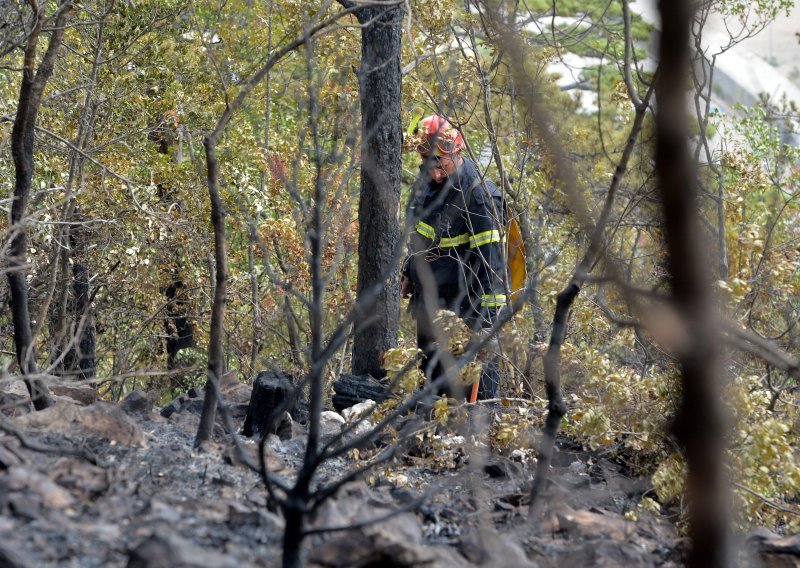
<point>768,62</point>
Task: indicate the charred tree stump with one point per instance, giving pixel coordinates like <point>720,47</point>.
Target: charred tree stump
<point>273,393</point>
<point>352,389</point>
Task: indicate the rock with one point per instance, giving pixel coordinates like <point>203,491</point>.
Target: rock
<point>12,404</point>
<point>273,460</point>
<point>288,428</point>
<point>775,551</point>
<point>25,481</point>
<point>169,551</point>
<point>8,458</point>
<point>487,547</point>
<point>501,468</point>
<point>100,420</point>
<point>83,394</point>
<point>137,403</point>
<point>330,423</point>
<point>584,523</point>
<point>9,558</point>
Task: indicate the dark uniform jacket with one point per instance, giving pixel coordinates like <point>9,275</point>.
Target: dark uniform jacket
<point>458,236</point>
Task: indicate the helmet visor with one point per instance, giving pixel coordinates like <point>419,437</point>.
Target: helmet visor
<point>436,145</point>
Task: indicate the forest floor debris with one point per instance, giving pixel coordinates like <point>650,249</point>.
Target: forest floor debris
<point>150,500</point>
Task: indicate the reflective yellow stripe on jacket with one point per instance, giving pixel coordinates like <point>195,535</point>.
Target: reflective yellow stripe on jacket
<point>425,230</point>
<point>458,240</point>
<point>484,238</point>
<point>475,241</point>
<point>493,300</point>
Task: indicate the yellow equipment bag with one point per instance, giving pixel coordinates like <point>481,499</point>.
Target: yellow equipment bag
<point>515,249</point>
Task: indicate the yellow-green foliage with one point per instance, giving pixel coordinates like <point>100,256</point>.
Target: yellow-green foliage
<point>515,424</point>
<point>763,455</point>
<point>622,409</point>
<point>618,406</point>
<point>399,364</point>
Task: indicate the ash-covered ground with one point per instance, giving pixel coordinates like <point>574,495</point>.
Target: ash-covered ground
<point>126,488</point>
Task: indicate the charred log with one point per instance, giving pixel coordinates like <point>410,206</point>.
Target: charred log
<point>352,389</point>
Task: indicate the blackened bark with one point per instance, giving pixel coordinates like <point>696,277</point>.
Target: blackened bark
<point>81,359</point>
<point>349,390</point>
<point>293,538</point>
<point>215,351</point>
<point>295,350</point>
<point>273,393</point>
<point>379,229</point>
<point>699,423</point>
<point>556,409</point>
<point>216,357</point>
<point>179,330</point>
<point>22,139</point>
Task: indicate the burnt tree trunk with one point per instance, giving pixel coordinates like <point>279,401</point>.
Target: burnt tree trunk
<point>216,355</point>
<point>178,328</point>
<point>215,350</point>
<point>22,146</point>
<point>381,141</point>
<point>556,409</point>
<point>80,359</point>
<point>273,393</point>
<point>699,424</point>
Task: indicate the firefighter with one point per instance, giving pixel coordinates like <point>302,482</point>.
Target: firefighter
<point>456,257</point>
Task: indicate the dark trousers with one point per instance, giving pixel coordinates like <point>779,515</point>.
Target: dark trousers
<point>432,364</point>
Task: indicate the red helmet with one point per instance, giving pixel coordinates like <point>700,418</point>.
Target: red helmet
<point>438,135</point>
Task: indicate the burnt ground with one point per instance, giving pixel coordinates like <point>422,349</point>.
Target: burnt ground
<point>133,492</point>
